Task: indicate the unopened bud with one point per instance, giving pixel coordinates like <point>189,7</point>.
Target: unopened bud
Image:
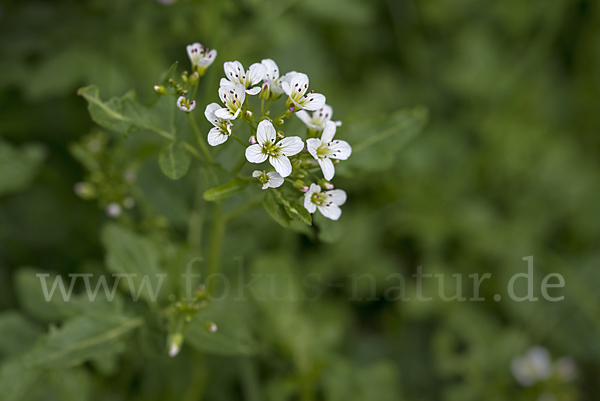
<point>210,326</point>
<point>252,140</point>
<point>194,78</point>
<point>200,291</point>
<point>265,90</point>
<point>326,185</point>
<point>174,343</point>
<point>249,114</point>
<point>279,122</point>
<point>280,134</point>
<point>171,82</point>
<point>84,190</point>
<point>160,89</point>
<point>300,186</point>
<point>113,209</point>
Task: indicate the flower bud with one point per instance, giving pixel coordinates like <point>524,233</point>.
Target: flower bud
<point>210,326</point>
<point>160,89</point>
<point>265,91</point>
<point>280,134</point>
<point>113,209</point>
<point>252,140</point>
<point>84,190</point>
<point>184,78</point>
<point>171,82</point>
<point>194,78</point>
<point>300,186</point>
<point>279,122</point>
<point>326,185</point>
<point>174,343</point>
<point>249,114</point>
<point>129,202</point>
<point>200,291</point>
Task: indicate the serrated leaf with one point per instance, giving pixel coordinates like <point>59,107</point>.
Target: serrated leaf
<point>174,160</point>
<point>133,254</point>
<point>375,143</point>
<point>121,114</point>
<point>18,167</point>
<point>80,339</point>
<point>18,333</point>
<point>275,209</point>
<point>225,191</point>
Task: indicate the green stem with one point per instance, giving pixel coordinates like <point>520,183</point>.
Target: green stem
<point>200,139</point>
<point>249,378</point>
<point>196,223</point>
<point>240,164</point>
<point>243,209</point>
<point>217,232</point>
<point>239,140</point>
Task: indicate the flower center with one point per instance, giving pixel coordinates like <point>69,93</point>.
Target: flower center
<point>271,149</point>
<point>320,199</point>
<point>324,150</point>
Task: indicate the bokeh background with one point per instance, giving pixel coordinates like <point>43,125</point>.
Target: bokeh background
<point>507,167</point>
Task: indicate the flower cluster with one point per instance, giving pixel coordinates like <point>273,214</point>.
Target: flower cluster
<point>291,158</point>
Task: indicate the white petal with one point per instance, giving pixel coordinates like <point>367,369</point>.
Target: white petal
<point>240,91</point>
<point>190,51</point>
<point>275,180</point>
<point>225,114</point>
<point>304,116</point>
<point>287,77</point>
<point>257,173</point>
<point>210,57</point>
<point>299,85</point>
<point>272,72</point>
<point>341,150</point>
<point>332,212</point>
<point>233,69</point>
<point>209,112</point>
<point>216,137</point>
<point>254,154</point>
<point>327,112</point>
<point>291,145</point>
<point>308,204</point>
<point>224,90</point>
<point>312,144</point>
<point>256,73</point>
<point>265,132</point>
<point>337,196</point>
<point>282,165</point>
<point>225,82</point>
<point>328,132</point>
<point>327,167</point>
<point>314,188</point>
<point>314,101</point>
<point>253,91</point>
<point>338,123</point>
<point>286,88</point>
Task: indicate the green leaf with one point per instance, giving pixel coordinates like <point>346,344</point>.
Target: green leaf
<point>275,209</point>
<point>18,167</point>
<point>18,333</point>
<point>225,191</point>
<point>376,143</point>
<point>233,335</point>
<point>293,209</point>
<point>132,254</point>
<point>174,160</point>
<point>329,230</point>
<point>122,114</point>
<point>80,339</point>
<point>164,82</point>
<point>18,383</point>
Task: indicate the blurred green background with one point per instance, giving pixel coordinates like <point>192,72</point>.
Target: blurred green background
<point>507,167</point>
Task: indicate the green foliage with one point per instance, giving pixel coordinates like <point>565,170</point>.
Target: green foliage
<point>500,162</point>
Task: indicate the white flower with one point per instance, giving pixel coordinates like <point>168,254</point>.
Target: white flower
<point>566,368</point>
<point>235,73</point>
<point>277,153</point>
<point>533,367</point>
<point>327,148</point>
<point>186,105</point>
<point>233,97</point>
<point>296,89</point>
<point>272,179</point>
<point>222,127</point>
<point>317,120</point>
<point>328,202</point>
<point>200,57</point>
<point>273,80</point>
